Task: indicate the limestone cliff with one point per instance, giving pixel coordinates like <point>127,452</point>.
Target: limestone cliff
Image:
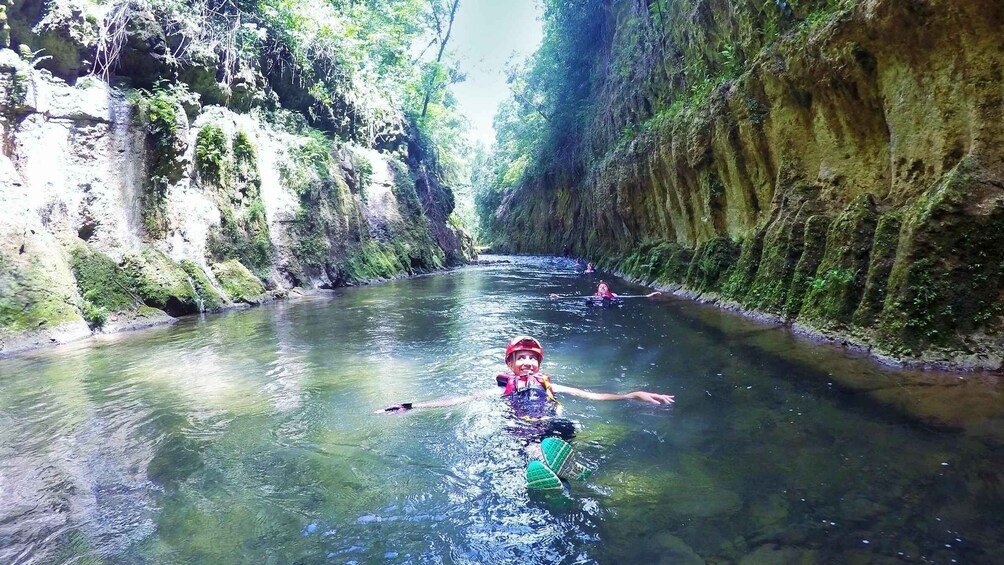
<point>837,165</point>
<point>122,207</point>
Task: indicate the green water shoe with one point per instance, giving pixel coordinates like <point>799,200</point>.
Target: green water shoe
<point>539,477</point>
<point>560,457</point>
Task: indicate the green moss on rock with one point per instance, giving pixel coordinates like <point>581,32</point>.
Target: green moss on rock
<point>949,271</point>
<point>161,112</point>
<point>211,298</point>
<point>238,282</point>
<point>835,292</point>
<point>782,249</point>
<point>211,153</point>
<point>660,262</point>
<point>711,264</point>
<point>404,189</point>
<point>372,260</point>
<point>104,287</point>
<point>813,247</point>
<point>741,276</point>
<point>30,299</point>
<point>161,282</point>
<point>311,247</point>
<point>243,233</point>
<point>331,232</point>
<point>883,256</point>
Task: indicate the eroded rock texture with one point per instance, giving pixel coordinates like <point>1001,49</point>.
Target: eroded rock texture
<point>121,209</point>
<point>847,175</point>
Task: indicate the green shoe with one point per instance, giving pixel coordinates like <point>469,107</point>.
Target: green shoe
<point>539,477</point>
<point>560,457</point>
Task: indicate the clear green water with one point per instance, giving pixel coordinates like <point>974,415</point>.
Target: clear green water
<point>250,438</point>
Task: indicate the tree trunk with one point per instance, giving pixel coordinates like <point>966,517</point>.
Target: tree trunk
<point>439,57</point>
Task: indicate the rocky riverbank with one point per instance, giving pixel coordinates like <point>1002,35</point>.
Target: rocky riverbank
<point>132,199</point>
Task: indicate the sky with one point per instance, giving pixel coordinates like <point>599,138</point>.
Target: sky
<point>485,34</point>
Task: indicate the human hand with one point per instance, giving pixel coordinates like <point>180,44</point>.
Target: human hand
<point>652,397</point>
<point>395,409</point>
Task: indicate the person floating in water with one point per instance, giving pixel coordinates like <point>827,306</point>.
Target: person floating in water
<point>589,269</point>
<point>603,291</point>
<point>603,294</point>
<point>533,399</point>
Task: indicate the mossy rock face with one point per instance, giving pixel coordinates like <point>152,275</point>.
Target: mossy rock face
<point>372,260</point>
<point>211,154</point>
<point>332,233</point>
<point>405,191</point>
<point>949,270</point>
<point>211,298</point>
<point>813,247</point>
<point>161,282</point>
<point>230,170</point>
<point>38,298</point>
<point>238,282</point>
<point>104,287</point>
<point>67,35</point>
<point>31,299</point>
<point>883,256</point>
<point>311,173</point>
<point>741,276</point>
<point>782,249</point>
<point>166,141</point>
<point>836,290</point>
<point>662,262</point>
<point>675,259</point>
<point>711,264</point>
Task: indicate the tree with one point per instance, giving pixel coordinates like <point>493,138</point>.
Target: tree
<point>435,80</point>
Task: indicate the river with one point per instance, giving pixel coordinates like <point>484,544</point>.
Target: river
<point>250,437</point>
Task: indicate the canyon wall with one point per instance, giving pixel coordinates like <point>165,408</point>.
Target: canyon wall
<point>844,175</point>
<point>123,207</point>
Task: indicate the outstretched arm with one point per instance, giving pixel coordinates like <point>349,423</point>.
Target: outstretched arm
<point>438,403</point>
<point>637,395</point>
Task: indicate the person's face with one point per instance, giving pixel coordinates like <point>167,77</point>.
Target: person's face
<point>524,362</point>
<point>602,288</point>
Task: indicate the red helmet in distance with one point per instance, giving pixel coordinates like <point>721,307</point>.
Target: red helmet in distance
<point>524,343</point>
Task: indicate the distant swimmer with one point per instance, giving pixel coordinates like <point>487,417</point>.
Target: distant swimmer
<point>604,297</point>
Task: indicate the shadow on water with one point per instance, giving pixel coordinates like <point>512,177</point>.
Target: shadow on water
<point>251,437</point>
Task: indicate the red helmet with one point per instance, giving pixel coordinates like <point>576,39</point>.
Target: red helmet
<point>524,343</point>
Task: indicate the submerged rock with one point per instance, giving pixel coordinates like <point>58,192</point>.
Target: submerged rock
<point>771,554</point>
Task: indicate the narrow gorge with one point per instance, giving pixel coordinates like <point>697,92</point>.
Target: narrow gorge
<point>425,368</point>
<point>835,165</point>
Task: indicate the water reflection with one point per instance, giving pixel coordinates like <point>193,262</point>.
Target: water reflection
<point>250,437</point>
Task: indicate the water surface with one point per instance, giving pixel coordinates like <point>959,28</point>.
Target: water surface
<point>250,438</point>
